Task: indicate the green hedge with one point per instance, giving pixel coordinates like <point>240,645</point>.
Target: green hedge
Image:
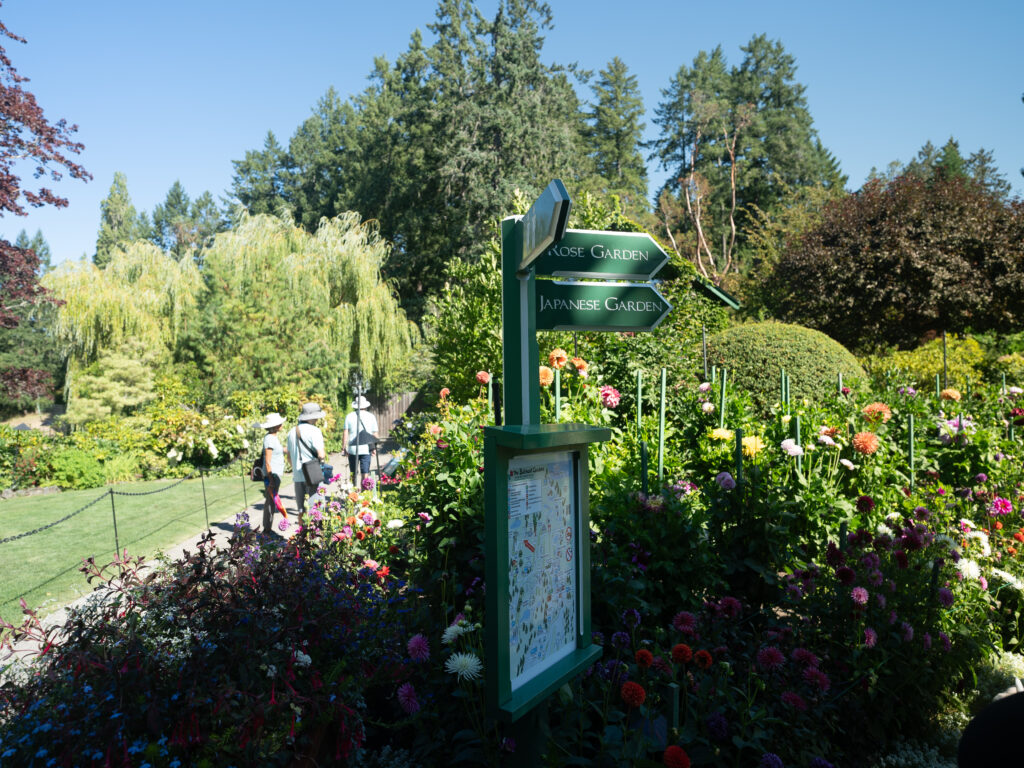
<point>756,353</point>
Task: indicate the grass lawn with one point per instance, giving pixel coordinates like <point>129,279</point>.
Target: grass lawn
<point>43,567</point>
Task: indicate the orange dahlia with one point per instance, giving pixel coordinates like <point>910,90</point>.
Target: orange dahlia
<point>950,394</point>
<point>546,376</point>
<point>558,358</point>
<point>877,412</point>
<point>865,442</point>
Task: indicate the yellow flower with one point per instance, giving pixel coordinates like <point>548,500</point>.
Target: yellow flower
<point>720,433</point>
<point>751,446</point>
<point>786,418</point>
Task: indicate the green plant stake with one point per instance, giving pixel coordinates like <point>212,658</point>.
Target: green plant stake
<point>704,348</point>
<point>113,511</point>
<point>960,424</point>
<point>945,370</point>
<point>839,390</point>
<point>714,374</point>
<point>490,394</point>
<point>721,396</point>
<point>639,398</point>
<point>739,457</point>
<point>643,466</point>
<point>796,436</point>
<point>937,389</point>
<point>910,436</point>
<point>1004,384</point>
<point>661,430</point>
<point>558,394</point>
<point>782,386</point>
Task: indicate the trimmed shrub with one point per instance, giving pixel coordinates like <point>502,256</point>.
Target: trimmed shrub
<point>965,361</point>
<point>756,353</point>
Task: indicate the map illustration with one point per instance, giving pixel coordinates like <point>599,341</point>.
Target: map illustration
<point>542,562</point>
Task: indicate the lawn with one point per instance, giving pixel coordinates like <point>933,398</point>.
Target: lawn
<point>43,567</point>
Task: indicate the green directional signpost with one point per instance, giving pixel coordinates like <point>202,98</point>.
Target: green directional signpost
<point>606,306</point>
<point>537,535</point>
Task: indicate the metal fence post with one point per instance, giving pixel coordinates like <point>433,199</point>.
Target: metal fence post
<point>113,511</point>
<point>206,509</point>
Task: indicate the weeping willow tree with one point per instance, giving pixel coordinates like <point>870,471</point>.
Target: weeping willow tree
<point>286,306</point>
<point>143,297</point>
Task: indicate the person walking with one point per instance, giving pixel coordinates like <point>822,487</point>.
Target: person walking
<point>273,469</point>
<point>305,443</point>
<point>360,437</point>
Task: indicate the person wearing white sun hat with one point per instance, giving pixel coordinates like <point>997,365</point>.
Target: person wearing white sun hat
<point>360,437</point>
<point>273,469</point>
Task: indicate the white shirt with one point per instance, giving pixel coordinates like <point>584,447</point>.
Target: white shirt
<point>369,422</point>
<point>312,437</point>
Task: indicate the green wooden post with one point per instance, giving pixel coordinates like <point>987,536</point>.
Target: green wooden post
<point>661,430</point>
<point>738,460</point>
<point>639,398</point>
<point>558,394</point>
<point>519,323</point>
<point>910,430</point>
<point>714,374</point>
<point>945,370</point>
<point>937,387</point>
<point>721,397</point>
<point>796,436</point>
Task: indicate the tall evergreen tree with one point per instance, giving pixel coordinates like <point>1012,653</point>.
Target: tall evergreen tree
<point>950,164</point>
<point>732,139</point>
<point>934,163</point>
<point>615,135</point>
<point>119,222</point>
<point>183,227</point>
<point>259,180</point>
<point>38,245</point>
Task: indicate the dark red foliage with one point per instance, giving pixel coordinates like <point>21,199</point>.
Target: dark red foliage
<point>26,136</point>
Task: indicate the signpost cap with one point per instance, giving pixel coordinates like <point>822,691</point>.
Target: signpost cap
<point>545,222</point>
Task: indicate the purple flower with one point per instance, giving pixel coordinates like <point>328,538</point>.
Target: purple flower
<point>945,597</point>
<point>859,595</point>
<point>804,656</point>
<point>620,640</point>
<point>927,641</point>
<point>794,700</point>
<point>684,622</point>
<point>821,762</point>
<point>846,575</point>
<point>771,760</point>
<point>981,477</point>
<point>718,726</point>
<point>368,482</point>
<point>418,648</point>
<point>983,582</point>
<point>725,481</point>
<point>947,646</point>
<point>597,638</point>
<point>631,618</point>
<point>407,699</point>
<point>870,637</point>
<point>770,658</point>
<point>508,744</point>
<point>730,607</point>
<point>865,504</point>
<point>908,632</point>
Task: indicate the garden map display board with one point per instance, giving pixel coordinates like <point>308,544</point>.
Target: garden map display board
<point>543,579</point>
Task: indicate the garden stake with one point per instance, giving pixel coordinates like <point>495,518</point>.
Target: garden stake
<point>910,430</point>
<point>245,494</point>
<point>782,386</point>
<point>558,395</point>
<point>643,466</point>
<point>721,397</point>
<point>796,436</point>
<point>490,393</point>
<point>945,376</point>
<point>704,347</point>
<point>661,429</point>
<point>206,509</point>
<point>117,544</point>
<point>671,695</point>
<point>937,392</point>
<point>714,374</point>
<point>959,424</point>
<point>639,399</point>
<point>1004,385</point>
<point>840,390</point>
<point>739,459</point>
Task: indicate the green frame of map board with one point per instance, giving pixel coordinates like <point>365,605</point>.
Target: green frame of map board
<point>501,446</point>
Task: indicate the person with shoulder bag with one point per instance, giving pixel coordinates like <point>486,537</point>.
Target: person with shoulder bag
<point>273,468</point>
<point>306,448</point>
<point>361,436</point>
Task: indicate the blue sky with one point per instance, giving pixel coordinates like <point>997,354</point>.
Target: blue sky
<point>175,91</point>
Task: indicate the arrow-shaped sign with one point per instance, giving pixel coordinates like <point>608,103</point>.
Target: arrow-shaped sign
<point>545,222</point>
<point>571,306</point>
<point>592,253</point>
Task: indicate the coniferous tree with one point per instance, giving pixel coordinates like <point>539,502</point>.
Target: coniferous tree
<point>615,135</point>
<point>259,180</point>
<point>119,222</point>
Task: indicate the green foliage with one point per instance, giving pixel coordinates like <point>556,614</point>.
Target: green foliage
<point>75,468</point>
<point>118,383</point>
<point>965,362</point>
<point>755,355</point>
<point>897,263</point>
<point>120,225</point>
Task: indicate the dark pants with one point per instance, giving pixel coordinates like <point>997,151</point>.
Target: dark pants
<point>300,497</point>
<point>271,487</point>
<point>364,465</point>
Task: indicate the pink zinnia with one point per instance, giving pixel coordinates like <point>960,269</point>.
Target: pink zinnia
<point>770,658</point>
<point>1000,506</point>
<point>794,700</point>
<point>870,637</point>
<point>684,622</point>
<point>407,699</point>
<point>610,396</point>
<point>418,647</point>
<point>818,679</point>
